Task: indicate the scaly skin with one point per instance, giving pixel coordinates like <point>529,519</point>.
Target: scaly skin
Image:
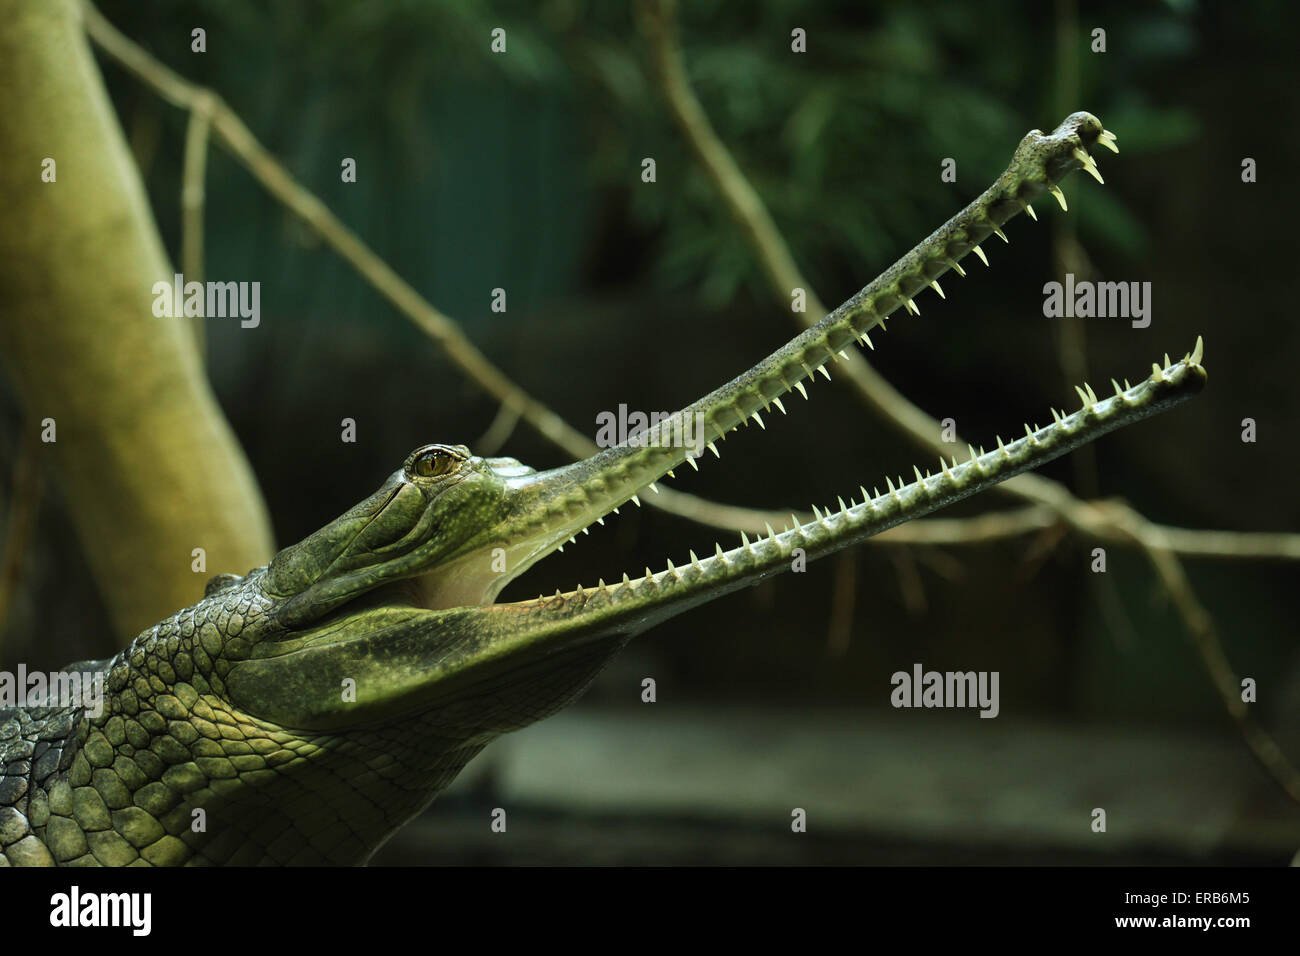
<point>237,707</point>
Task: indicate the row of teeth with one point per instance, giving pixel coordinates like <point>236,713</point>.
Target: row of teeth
<point>1105,138</point>
<point>925,484</point>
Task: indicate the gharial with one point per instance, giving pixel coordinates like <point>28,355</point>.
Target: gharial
<point>234,706</point>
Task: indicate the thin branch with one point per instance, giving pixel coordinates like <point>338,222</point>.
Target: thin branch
<point>195,167</point>
<point>1200,626</point>
<point>498,433</point>
<point>844,595</point>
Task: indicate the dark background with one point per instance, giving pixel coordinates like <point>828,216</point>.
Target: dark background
<point>522,171</point>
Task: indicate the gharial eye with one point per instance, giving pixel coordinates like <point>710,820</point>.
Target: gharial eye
<point>433,464</point>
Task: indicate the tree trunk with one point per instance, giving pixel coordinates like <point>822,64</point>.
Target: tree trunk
<point>145,460</point>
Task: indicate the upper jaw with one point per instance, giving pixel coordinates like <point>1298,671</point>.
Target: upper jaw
<point>539,511</point>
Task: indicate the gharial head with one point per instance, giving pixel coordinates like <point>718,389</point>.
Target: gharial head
<point>399,593</point>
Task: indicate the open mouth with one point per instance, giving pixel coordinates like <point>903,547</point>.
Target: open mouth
<point>546,510</point>
<point>543,511</point>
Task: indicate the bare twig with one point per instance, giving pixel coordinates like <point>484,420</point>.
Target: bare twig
<point>192,196</point>
<point>498,433</point>
<point>844,595</point>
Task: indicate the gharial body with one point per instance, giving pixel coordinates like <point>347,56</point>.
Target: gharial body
<point>307,710</point>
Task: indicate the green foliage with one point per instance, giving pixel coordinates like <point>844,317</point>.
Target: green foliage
<point>843,142</point>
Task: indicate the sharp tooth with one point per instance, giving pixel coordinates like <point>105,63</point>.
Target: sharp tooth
<point>956,267</point>
<point>1089,164</point>
<point>816,514</point>
<point>573,539</point>
<point>907,303</point>
<point>1083,395</point>
<point>937,288</point>
<point>616,511</point>
<point>770,532</point>
<point>1060,197</point>
<point>1056,416</point>
<point>971,449</point>
<point>627,582</point>
<point>671,569</point>
<point>844,355</point>
<point>714,448</point>
<point>1001,447</point>
<point>691,461</point>
<point>695,562</point>
<point>1001,235</point>
<point>561,550</point>
<point>1028,432</point>
<point>586,531</point>
<point>822,369</point>
<point>1156,373</point>
<point>718,549</point>
<point>867,341</point>
<point>777,403</point>
<point>889,483</point>
<point>654,487</point>
<point>648,576</point>
<point>1091,394</point>
<point>600,521</point>
<point>1166,360</point>
<point>1030,209</point>
<point>802,391</point>
<point>636,501</point>
<point>670,473</point>
<point>1118,390</point>
<point>744,540</point>
<point>843,506</point>
<point>1198,353</point>
<point>759,418</point>
<point>1127,386</point>
<point>865,496</point>
<point>980,252</point>
<point>600,584</point>
<point>1107,139</point>
<point>917,472</point>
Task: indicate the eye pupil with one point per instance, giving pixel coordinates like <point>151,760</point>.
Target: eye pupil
<point>434,461</point>
<point>432,465</point>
